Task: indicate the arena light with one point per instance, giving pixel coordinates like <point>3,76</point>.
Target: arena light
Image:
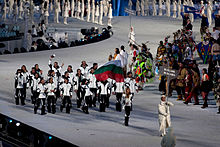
<point>50,137</point>
<point>10,121</point>
<point>17,124</point>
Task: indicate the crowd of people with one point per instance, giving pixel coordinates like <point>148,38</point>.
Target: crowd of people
<point>7,33</point>
<point>178,55</point>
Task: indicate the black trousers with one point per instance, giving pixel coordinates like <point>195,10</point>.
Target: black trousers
<point>102,103</point>
<point>79,95</point>
<point>51,104</point>
<point>66,99</point>
<point>86,104</point>
<point>118,101</point>
<point>24,90</point>
<point>127,111</point>
<point>180,90</point>
<point>94,97</point>
<point>19,95</point>
<point>40,101</point>
<point>34,96</point>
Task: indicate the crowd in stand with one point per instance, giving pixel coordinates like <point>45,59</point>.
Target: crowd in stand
<point>179,55</point>
<point>7,33</point>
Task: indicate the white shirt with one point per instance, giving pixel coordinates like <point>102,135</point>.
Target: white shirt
<point>92,81</point>
<point>51,86</point>
<point>131,83</point>
<point>103,89</point>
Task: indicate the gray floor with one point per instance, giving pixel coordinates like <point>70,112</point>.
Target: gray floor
<point>193,126</point>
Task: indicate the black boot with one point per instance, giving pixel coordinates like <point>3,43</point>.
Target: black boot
<point>22,101</point>
<point>35,110</point>
<point>16,101</point>
<point>53,109</point>
<point>78,103</point>
<point>67,109</point>
<point>43,110</point>
<point>218,110</point>
<point>126,121</point>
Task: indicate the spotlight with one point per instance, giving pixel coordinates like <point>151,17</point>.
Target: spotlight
<point>18,124</point>
<point>99,35</point>
<point>10,121</point>
<point>50,137</point>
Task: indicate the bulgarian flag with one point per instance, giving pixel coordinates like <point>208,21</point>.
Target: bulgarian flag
<point>111,69</point>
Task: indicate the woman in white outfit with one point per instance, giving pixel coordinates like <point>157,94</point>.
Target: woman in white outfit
<point>93,11</point>
<point>101,13</point>
<point>82,10</point>
<point>88,11</point>
<point>110,15</point>
<point>164,115</point>
<point>97,13</point>
<point>66,14</point>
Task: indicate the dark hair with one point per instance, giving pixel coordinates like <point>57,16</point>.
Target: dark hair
<point>205,70</point>
<point>123,48</point>
<point>117,51</point>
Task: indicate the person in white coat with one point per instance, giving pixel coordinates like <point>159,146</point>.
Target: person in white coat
<point>31,11</point>
<point>131,83</point>
<point>202,8</point>
<point>19,85</point>
<point>72,7</point>
<point>103,92</point>
<point>142,7</point>
<point>105,7</point>
<point>87,96</point>
<point>51,100</point>
<point>26,80</point>
<point>93,87</point>
<point>66,14</point>
<point>66,95</point>
<point>160,7</point>
<point>97,13</point>
<point>154,8</point>
<point>11,4</point>
<point>168,8</point>
<point>179,10</point>
<point>21,9</point>
<point>82,9</point>
<point>35,79</point>
<point>93,11</point>
<point>78,11</point>
<point>131,36</point>
<point>130,4</point>
<point>164,115</point>
<point>127,96</point>
<point>146,8</point>
<point>174,8</point>
<point>138,9</point>
<point>191,15</point>
<point>78,88</point>
<point>4,11</point>
<point>41,100</point>
<point>56,11</point>
<point>110,15</point>
<point>101,13</point>
<point>84,68</point>
<point>209,13</point>
<point>118,89</point>
<point>46,12</point>
<point>88,11</point>
<point>15,11</point>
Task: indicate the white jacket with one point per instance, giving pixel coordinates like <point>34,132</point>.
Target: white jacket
<point>92,81</point>
<point>164,114</point>
<point>127,100</point>
<point>118,87</point>
<point>19,78</point>
<point>50,87</point>
<point>84,71</point>
<point>66,89</point>
<point>77,82</point>
<point>103,89</point>
<point>131,83</point>
<point>34,83</point>
<point>41,90</point>
<point>86,90</point>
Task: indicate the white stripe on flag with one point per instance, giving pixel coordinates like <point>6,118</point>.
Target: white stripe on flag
<point>115,62</point>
